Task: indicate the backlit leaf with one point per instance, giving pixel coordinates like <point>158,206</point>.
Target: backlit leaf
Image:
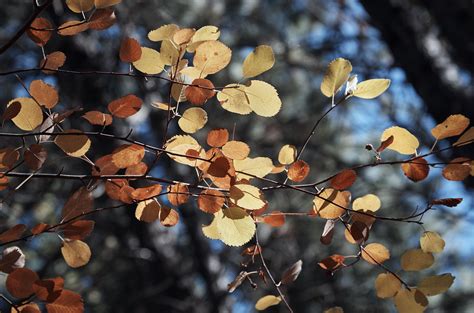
<point>267,301</point>
<point>366,203</point>
<point>53,61</point>
<point>298,171</point>
<point>343,179</point>
<point>192,120</point>
<point>73,145</point>
<point>466,138</point>
<point>201,91</point>
<point>98,118</point>
<point>410,301</point>
<point>435,285</point>
<point>287,154</point>
<point>76,253</point>
<point>211,200</point>
<point>30,115</point>
<point>330,203</point>
<point>403,141</point>
<point>247,197</point>
<point>371,88</point>
<point>387,285</point>
<point>71,28</point>
<point>258,61</point>
<point>263,98</point>
<point>67,302</point>
<point>212,56</point>
<point>78,6</point>
<point>274,219</point>
<point>217,137</point>
<point>150,62</point>
<point>235,226</point>
<point>130,50</point>
<point>148,211</point>
<point>100,4</point>
<point>336,75</point>
<point>416,169</point>
<point>236,150</point>
<point>431,242</point>
<point>454,125</point>
<point>458,169</point>
<point>375,253</point>
<point>44,93</point>
<point>416,260</point>
<point>125,106</point>
<point>40,31</point>
<point>259,167</point>
<point>164,32</point>
<point>233,98</point>
<point>128,155</point>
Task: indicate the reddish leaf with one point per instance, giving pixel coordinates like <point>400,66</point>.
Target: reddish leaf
<point>48,290</point>
<point>71,28</point>
<point>125,106</point>
<point>98,118</point>
<point>145,193</point>
<point>292,273</point>
<point>168,217</point>
<point>201,91</point>
<point>8,158</point>
<point>211,200</point>
<point>137,169</point>
<point>384,145</point>
<point>458,169</point>
<point>328,232</point>
<point>35,157</point>
<point>40,31</point>
<point>20,282</point>
<point>78,230</point>
<point>3,183</point>
<point>274,219</point>
<point>13,233</point>
<point>252,250</point>
<point>102,19</point>
<point>217,137</point>
<point>344,179</point>
<point>67,302</point>
<point>178,194</point>
<point>39,228</point>
<point>298,171</point>
<point>44,93</point>
<point>119,189</point>
<point>450,202</point>
<point>79,202</point>
<point>128,155</point>
<point>332,262</point>
<point>104,166</point>
<point>416,169</point>
<point>130,50</point>
<point>53,62</point>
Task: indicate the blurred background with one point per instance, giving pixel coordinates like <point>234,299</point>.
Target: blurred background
<point>425,47</point>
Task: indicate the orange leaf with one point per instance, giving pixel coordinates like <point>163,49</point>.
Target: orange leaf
<point>178,194</point>
<point>211,200</point>
<point>53,61</point>
<point>98,118</point>
<point>40,31</point>
<point>67,302</point>
<point>200,92</point>
<point>13,233</point>
<point>128,155</point>
<point>48,290</point>
<point>416,169</point>
<point>298,171</point>
<point>130,50</point>
<point>44,93</point>
<point>125,106</point>
<point>217,137</point>
<point>275,219</point>
<point>20,282</point>
<point>343,179</point>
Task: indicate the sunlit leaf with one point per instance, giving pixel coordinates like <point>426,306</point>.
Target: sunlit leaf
<point>44,93</point>
<point>178,194</point>
<point>454,125</point>
<point>212,56</point>
<point>71,28</point>
<point>258,61</point>
<point>410,301</point>
<point>30,115</point>
<point>336,75</point>
<point>200,91</point>
<point>217,137</point>
<point>236,150</point>
<point>40,31</point>
<point>366,203</point>
<point>431,242</point>
<point>53,61</point>
<point>192,120</point>
<point>254,167</point>
<point>235,226</point>
<point>125,106</point>
<point>263,98</point>
<point>274,219</point>
<point>332,263</point>
<point>416,169</point>
<point>466,138</point>
<point>150,62</point>
<point>210,200</point>
<point>233,98</point>
<point>78,6</point>
<point>267,301</point>
<point>403,141</point>
<point>343,179</point>
<point>100,4</point>
<point>416,260</point>
<point>73,145</point>
<point>375,253</point>
<point>181,144</point>
<point>148,211</point>
<point>98,118</point>
<point>387,285</point>
<point>458,169</point>
<point>298,171</point>
<point>246,197</point>
<point>164,32</point>
<point>330,203</point>
<point>76,253</point>
<point>287,154</point>
<point>130,50</point>
<point>168,217</point>
<point>183,36</point>
<point>435,285</point>
<point>371,88</point>
<point>128,155</point>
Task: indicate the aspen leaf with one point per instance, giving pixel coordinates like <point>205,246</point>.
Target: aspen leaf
<point>274,219</point>
<point>267,301</point>
<point>98,118</point>
<point>27,308</point>
<point>454,125</point>
<point>192,73</point>
<point>36,32</point>
<point>233,98</point>
<point>44,93</point>
<point>128,155</point>
<point>292,273</point>
<point>385,143</point>
<point>71,28</point>
<point>336,75</point>
<point>435,285</point>
<point>259,167</point>
<point>357,232</point>
<point>30,115</point>
<point>416,169</point>
<point>332,263</point>
<point>403,141</point>
<point>137,169</point>
<point>130,50</point>
<point>217,137</point>
<point>67,302</point>
<point>210,200</point>
<point>168,217</point>
<point>125,106</point>
<point>410,301</point>
<point>145,193</point>
<point>76,253</point>
<point>49,290</point>
<point>102,19</point>
<point>78,230</point>
<point>206,33</point>
<point>78,203</point>
<point>298,171</point>
<point>19,283</point>
<point>431,242</point>
<point>212,56</point>
<point>287,154</point>
<point>330,203</point>
<point>148,211</point>
<point>35,156</point>
<point>328,232</point>
<point>181,144</point>
<point>458,169</point>
<point>236,150</point>
<point>100,4</point>
<point>246,197</point>
<point>343,179</point>
<point>336,309</point>
<point>210,231</point>
<point>258,61</point>
<point>12,258</point>
<point>78,6</point>
<point>200,91</point>
<point>235,226</point>
<point>150,62</point>
<point>375,253</point>
<point>387,285</point>
<point>169,53</point>
<point>263,98</point>
<point>466,138</point>
<point>164,32</point>
<point>13,233</point>
<point>416,260</point>
<point>450,202</point>
<point>178,194</point>
<point>366,203</point>
<point>372,88</point>
<point>192,120</point>
<point>53,61</point>
<point>73,145</point>
<point>8,157</point>
<point>183,36</point>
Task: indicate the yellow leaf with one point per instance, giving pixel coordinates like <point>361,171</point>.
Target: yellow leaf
<point>164,32</point>
<point>287,154</point>
<point>73,145</point>
<point>150,62</point>
<point>30,115</point>
<point>410,301</point>
<point>181,144</point>
<point>416,260</point>
<point>192,120</point>
<point>204,33</point>
<point>236,150</point>
<point>431,242</point>
<point>192,73</point>
<point>336,75</point>
<point>372,88</point>
<point>246,197</point>
<point>212,56</point>
<point>331,203</point>
<point>78,6</point>
<point>263,98</point>
<point>259,167</point>
<point>366,203</point>
<point>403,141</point>
<point>100,4</point>
<point>454,125</point>
<point>387,285</point>
<point>235,226</point>
<point>168,52</point>
<point>375,253</point>
<point>434,285</point>
<point>267,301</point>
<point>466,138</point>
<point>234,99</point>
<point>76,253</point>
<point>211,231</point>
<point>258,61</point>
<point>148,211</point>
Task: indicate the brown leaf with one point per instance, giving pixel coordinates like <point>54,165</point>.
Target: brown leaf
<point>102,19</point>
<point>8,158</point>
<point>200,91</point>
<point>12,258</point>
<point>128,155</point>
<point>67,302</point>
<point>44,93</point>
<point>53,61</point>
<point>105,166</point>
<point>98,118</point>
<point>20,282</point>
<point>39,228</point>
<point>211,200</point>
<point>416,169</point>
<point>450,202</point>
<point>137,169</point>
<point>178,194</point>
<point>79,202</point>
<point>11,111</point>
<point>40,31</point>
<point>13,233</point>
<point>35,157</point>
<point>71,28</point>
<point>48,290</point>
<point>384,144</point>
<point>217,137</point>
<point>332,263</point>
<point>458,169</point>
<point>119,189</point>
<point>125,106</point>
<point>298,171</point>
<point>328,232</point>
<point>343,179</point>
<point>274,219</point>
<point>168,217</point>
<point>292,273</point>
<point>144,193</point>
<point>130,50</point>
<point>78,230</point>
